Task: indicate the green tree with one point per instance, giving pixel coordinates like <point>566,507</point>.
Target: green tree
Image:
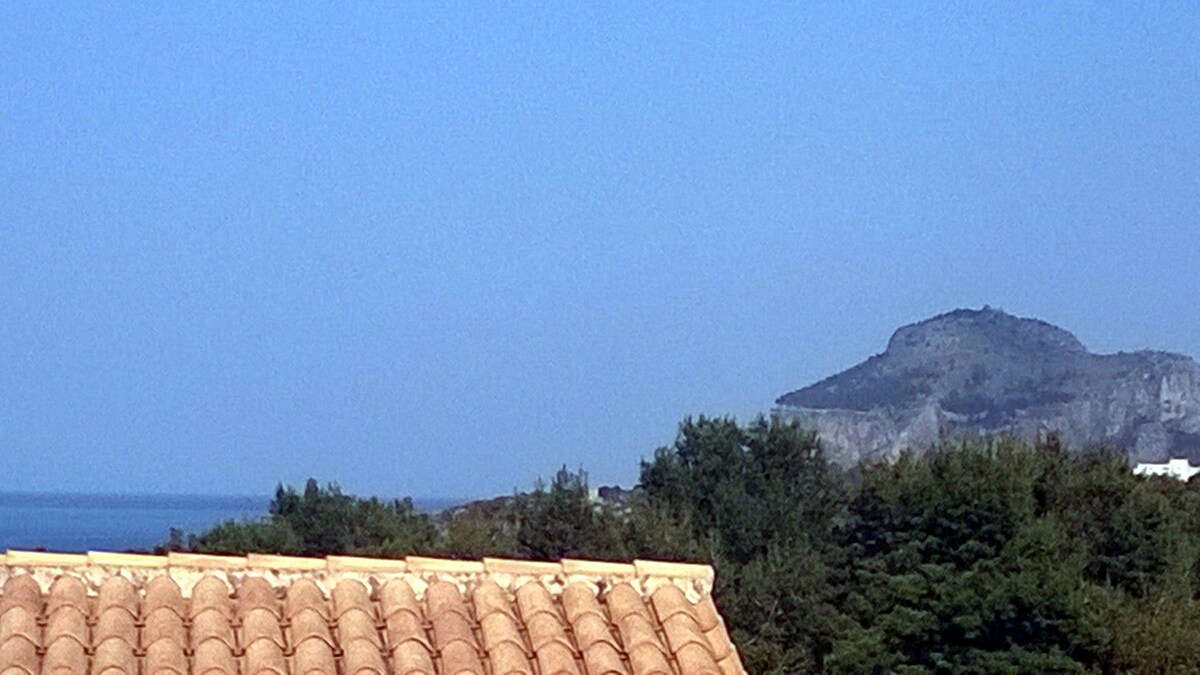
<point>562,520</point>
<point>762,502</point>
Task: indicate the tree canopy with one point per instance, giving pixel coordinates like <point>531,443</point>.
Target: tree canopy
<point>974,557</point>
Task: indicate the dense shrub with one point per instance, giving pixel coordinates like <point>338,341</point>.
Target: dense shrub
<point>975,557</point>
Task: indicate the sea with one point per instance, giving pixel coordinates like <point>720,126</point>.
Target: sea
<point>95,522</point>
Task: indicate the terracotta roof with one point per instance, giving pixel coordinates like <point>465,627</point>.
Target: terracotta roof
<point>108,613</point>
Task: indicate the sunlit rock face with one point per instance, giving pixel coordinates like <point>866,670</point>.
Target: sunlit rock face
<point>984,372</point>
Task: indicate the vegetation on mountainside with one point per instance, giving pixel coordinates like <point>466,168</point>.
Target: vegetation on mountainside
<point>975,557</point>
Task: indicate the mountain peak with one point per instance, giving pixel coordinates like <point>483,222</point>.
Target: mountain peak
<point>985,371</point>
<point>971,329</point>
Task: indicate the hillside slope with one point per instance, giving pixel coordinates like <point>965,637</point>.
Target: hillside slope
<point>987,372</point>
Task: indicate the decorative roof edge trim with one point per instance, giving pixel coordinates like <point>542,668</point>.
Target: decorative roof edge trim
<point>107,559</point>
<point>356,564</point>
<point>263,561</point>
<point>349,563</point>
<point>444,565</point>
<point>654,568</point>
<point>598,568</point>
<point>45,559</point>
<point>205,561</point>
<point>521,567</point>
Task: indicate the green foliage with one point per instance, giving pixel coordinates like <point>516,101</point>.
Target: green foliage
<point>562,521</point>
<point>323,520</point>
<point>764,502</point>
<point>976,557</point>
<point>474,536</point>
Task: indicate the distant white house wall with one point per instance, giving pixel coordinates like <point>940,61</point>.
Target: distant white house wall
<point>1179,468</point>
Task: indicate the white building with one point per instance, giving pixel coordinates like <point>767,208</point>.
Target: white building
<point>1179,468</point>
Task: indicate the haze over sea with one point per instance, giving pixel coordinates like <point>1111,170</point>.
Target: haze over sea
<point>83,522</point>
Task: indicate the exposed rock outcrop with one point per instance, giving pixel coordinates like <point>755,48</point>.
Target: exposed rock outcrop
<point>986,372</point>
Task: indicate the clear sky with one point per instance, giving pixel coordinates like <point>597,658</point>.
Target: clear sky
<point>442,250</point>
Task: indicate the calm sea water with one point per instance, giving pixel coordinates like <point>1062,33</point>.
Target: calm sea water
<point>59,522</point>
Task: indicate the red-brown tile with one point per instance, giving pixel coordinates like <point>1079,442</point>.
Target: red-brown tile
<point>544,629</point>
<point>351,594</point>
<point>669,601</point>
<point>114,656</point>
<point>209,625</point>
<point>624,600</point>
<point>451,627</point>
<point>489,599</point>
<point>719,642</point>
<point>682,630</point>
<point>21,591</point>
<point>460,658</point>
<point>412,658</point>
<point>534,599</point>
<point>65,656</point>
<point>443,597</point>
<point>164,624</point>
<point>636,630</point>
<point>356,624</point>
<point>314,657</point>
<point>508,658</point>
<point>551,645</point>
<point>706,614</point>
<point>261,625</point>
<point>255,628</point>
<point>404,626</point>
<point>591,629</point>
<point>67,591</point>
<point>717,635</point>
<point>165,657</point>
<point>67,623</point>
<point>19,622</point>
<point>648,658</point>
<point>118,592</point>
<point>593,633</point>
<point>264,657</point>
<point>214,657</point>
<point>305,594</point>
<point>115,622</point>
<point>499,628</point>
<point>578,600</point>
<point>732,665</point>
<point>557,658</point>
<point>362,657</point>
<point>18,655</point>
<point>162,592</point>
<point>602,658</point>
<point>307,625</point>
<point>256,593</point>
<point>211,593</point>
<point>696,658</point>
<point>397,596</point>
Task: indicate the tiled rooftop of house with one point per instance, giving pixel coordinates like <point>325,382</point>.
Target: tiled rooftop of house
<point>107,613</point>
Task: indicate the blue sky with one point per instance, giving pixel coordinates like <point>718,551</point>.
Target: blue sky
<point>443,250</point>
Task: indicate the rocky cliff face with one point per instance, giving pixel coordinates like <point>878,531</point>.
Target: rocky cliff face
<point>986,372</point>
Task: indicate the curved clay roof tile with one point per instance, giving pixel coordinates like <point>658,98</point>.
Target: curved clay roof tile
<point>266,615</point>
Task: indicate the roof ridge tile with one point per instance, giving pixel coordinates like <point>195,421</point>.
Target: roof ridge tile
<point>110,559</point>
<point>673,570</point>
<point>359,564</point>
<point>205,561</point>
<point>267,561</point>
<point>521,567</point>
<point>444,565</point>
<point>45,558</point>
<point>598,568</point>
<point>348,563</point>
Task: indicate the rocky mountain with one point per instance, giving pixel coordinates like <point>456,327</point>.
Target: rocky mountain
<point>986,372</point>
